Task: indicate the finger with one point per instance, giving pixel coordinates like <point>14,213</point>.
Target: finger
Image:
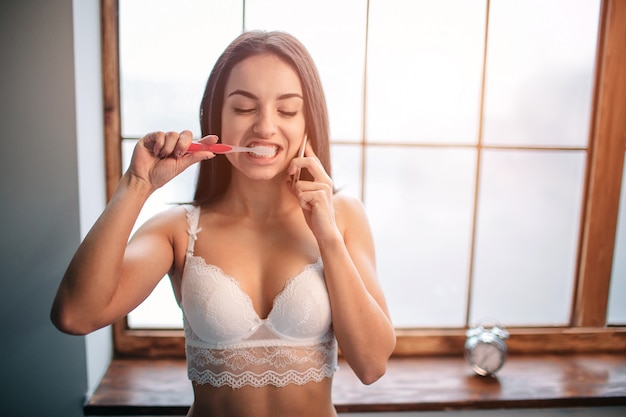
<point>191,158</point>
<point>209,139</point>
<point>315,168</point>
<point>305,204</point>
<point>154,142</point>
<point>171,139</point>
<point>200,155</point>
<point>305,200</point>
<point>201,146</point>
<point>314,198</point>
<point>184,140</point>
<point>323,175</point>
<point>310,186</point>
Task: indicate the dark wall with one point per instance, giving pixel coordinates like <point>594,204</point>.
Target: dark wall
<point>42,371</point>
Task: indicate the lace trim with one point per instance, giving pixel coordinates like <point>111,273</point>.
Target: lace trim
<point>260,366</point>
<point>267,378</point>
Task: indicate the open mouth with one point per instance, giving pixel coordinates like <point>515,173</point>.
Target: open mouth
<point>263,151</point>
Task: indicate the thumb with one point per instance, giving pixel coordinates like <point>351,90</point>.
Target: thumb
<point>201,147</point>
<point>196,152</point>
<point>208,139</point>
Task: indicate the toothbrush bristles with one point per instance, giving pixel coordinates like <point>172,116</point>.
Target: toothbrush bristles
<point>262,150</point>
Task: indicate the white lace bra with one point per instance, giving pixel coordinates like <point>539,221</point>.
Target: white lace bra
<point>227,343</point>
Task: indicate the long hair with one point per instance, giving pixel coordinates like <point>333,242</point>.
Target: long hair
<point>215,174</point>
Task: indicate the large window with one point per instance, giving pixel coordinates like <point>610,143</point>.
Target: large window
<point>472,131</point>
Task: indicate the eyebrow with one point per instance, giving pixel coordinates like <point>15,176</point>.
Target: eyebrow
<point>253,97</point>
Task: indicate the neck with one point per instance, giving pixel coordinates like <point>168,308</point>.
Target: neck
<point>259,199</point>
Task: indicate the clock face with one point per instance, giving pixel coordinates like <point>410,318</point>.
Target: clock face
<point>486,358</point>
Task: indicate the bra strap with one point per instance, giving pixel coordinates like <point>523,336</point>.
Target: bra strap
<point>193,217</point>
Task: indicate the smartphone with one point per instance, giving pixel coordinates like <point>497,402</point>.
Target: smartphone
<point>296,176</point>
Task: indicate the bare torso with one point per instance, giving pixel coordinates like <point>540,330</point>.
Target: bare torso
<point>312,399</point>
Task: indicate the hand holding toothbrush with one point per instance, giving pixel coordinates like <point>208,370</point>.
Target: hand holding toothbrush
<point>159,156</point>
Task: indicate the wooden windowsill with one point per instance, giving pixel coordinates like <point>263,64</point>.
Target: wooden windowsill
<point>160,386</point>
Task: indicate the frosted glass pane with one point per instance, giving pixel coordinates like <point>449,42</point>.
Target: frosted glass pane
<point>334,33</point>
<point>617,295</point>
<point>346,166</point>
<point>420,203</point>
<point>167,50</point>
<point>540,65</point>
<point>527,236</point>
<point>424,70</point>
<point>160,309</point>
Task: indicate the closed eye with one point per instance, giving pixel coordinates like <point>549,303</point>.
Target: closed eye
<point>239,110</point>
<point>288,113</point>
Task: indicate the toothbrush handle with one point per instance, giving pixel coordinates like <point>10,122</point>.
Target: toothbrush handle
<point>215,148</point>
<point>197,146</point>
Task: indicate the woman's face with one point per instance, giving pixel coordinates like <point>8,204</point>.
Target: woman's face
<point>263,105</point>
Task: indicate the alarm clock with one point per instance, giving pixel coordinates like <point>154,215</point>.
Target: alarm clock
<point>485,349</point>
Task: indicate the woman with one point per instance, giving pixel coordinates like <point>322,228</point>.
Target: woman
<point>271,268</point>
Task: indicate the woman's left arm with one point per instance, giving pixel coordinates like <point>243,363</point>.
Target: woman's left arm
<point>361,319</point>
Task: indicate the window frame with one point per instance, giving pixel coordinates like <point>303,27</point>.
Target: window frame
<point>587,331</point>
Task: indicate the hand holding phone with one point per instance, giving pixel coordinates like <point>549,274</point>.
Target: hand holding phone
<point>296,176</point>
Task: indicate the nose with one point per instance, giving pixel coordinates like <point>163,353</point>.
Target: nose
<point>265,124</point>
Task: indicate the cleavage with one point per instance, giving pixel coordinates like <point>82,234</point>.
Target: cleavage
<point>270,298</point>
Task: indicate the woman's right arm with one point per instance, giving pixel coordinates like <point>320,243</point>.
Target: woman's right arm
<point>110,275</point>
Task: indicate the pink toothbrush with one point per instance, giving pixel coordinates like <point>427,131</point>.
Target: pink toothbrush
<point>221,148</point>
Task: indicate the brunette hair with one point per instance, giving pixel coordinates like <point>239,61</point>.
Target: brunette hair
<point>214,174</point>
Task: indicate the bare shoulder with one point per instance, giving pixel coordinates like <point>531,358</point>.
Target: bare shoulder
<point>347,201</point>
<point>349,212</point>
<point>168,218</point>
<point>166,231</point>
<point>170,224</point>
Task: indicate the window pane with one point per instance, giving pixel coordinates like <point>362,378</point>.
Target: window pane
<point>420,206</point>
<point>617,294</point>
<point>346,167</point>
<point>160,309</point>
<point>424,70</point>
<point>540,67</point>
<point>167,50</point>
<point>527,236</point>
<point>334,33</point>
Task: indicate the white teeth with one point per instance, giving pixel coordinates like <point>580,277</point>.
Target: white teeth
<point>264,151</point>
